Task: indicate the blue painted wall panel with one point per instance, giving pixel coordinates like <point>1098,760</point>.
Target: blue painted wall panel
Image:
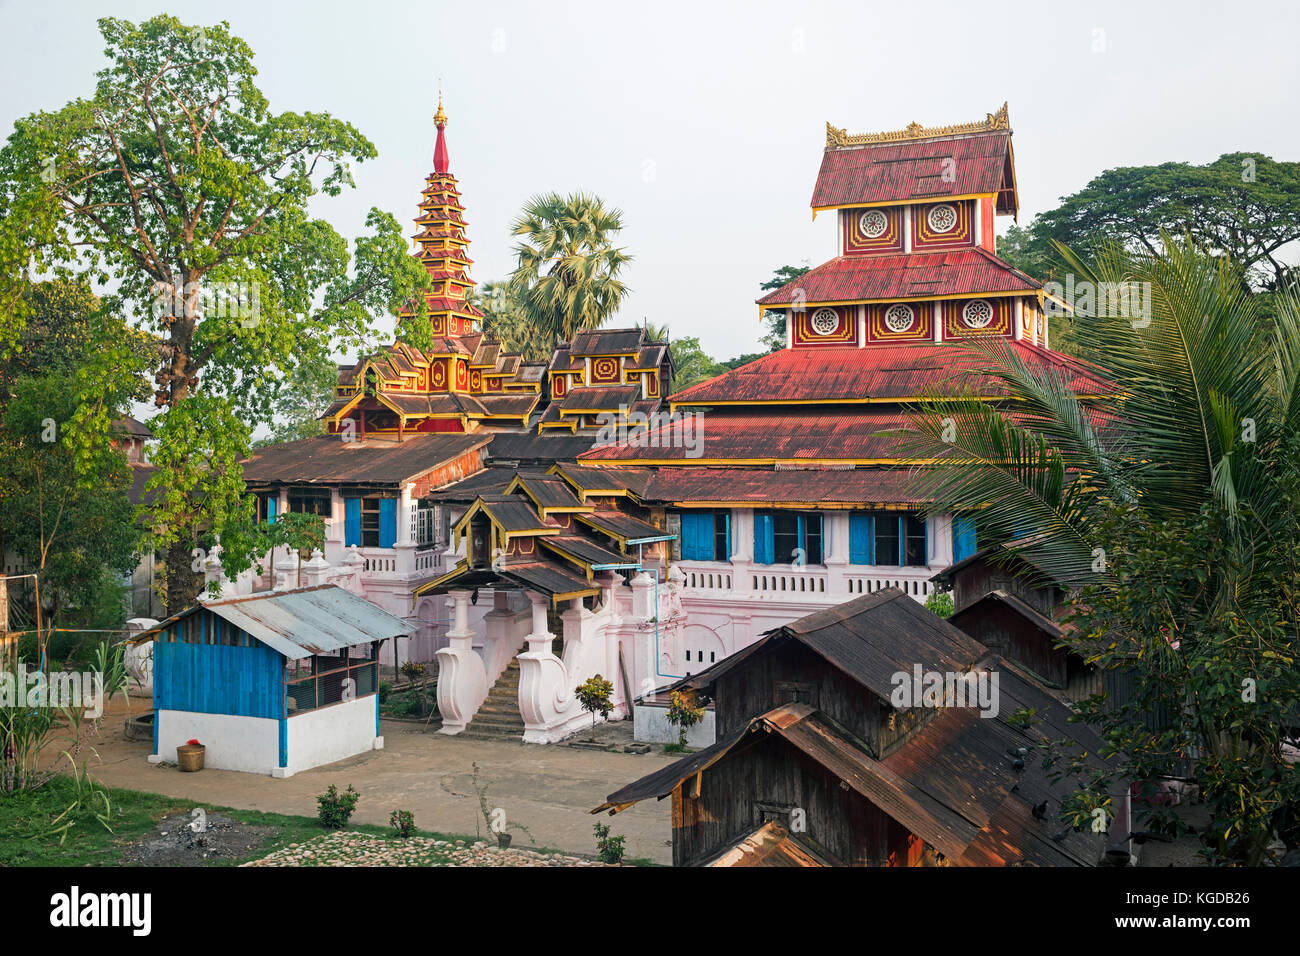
<point>219,679</point>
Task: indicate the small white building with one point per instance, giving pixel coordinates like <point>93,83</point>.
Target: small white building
<point>271,683</point>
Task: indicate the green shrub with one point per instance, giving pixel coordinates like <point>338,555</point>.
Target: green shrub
<point>385,691</point>
<point>608,848</point>
<point>334,808</point>
<point>402,821</point>
<point>940,602</point>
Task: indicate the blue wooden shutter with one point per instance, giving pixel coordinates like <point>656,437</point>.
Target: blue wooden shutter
<point>726,541</point>
<point>859,539</point>
<point>271,502</point>
<point>963,537</point>
<point>351,521</point>
<point>387,522</point>
<point>764,546</point>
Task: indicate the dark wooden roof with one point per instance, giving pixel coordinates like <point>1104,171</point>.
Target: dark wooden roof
<point>870,639</point>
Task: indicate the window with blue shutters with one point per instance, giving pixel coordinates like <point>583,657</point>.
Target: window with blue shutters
<point>763,545</point>
<point>785,537</point>
<point>963,537</point>
<point>888,538</point>
<point>860,538</point>
<point>352,522</point>
<point>387,522</point>
<point>706,535</point>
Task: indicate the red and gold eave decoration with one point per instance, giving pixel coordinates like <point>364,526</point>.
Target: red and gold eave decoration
<point>845,331</point>
<point>857,240</point>
<point>1000,324</point>
<point>921,329</point>
<point>962,234</point>
<point>605,371</point>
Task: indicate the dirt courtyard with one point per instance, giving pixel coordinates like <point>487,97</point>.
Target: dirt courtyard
<point>548,789</point>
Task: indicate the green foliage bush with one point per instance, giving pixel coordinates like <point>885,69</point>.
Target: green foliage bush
<point>608,848</point>
<point>403,822</point>
<point>334,808</point>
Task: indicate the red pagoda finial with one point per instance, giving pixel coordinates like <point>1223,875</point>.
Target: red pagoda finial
<point>440,161</point>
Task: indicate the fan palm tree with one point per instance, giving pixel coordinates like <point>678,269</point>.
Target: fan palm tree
<point>567,274</point>
<point>1167,499</point>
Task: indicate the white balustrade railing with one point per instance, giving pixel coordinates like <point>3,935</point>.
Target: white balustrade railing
<point>815,584</point>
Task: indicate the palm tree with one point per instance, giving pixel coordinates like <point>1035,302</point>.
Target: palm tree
<point>1166,437</point>
<point>1168,501</point>
<point>567,277</point>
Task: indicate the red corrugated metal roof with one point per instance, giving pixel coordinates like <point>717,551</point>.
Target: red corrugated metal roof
<point>767,436</point>
<point>916,275</point>
<point>875,372</point>
<point>973,164</point>
<point>687,485</point>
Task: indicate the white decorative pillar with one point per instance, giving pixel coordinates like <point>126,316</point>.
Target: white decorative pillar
<point>462,679</point>
<point>835,543</point>
<point>1018,319</point>
<point>316,571</point>
<point>938,320</point>
<point>941,554</point>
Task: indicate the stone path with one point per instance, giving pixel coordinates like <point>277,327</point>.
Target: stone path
<point>344,848</point>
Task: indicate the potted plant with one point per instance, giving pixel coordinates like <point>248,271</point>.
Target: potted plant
<point>189,756</point>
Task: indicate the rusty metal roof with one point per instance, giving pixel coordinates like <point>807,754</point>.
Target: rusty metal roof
<point>306,621</point>
<point>329,459</point>
<point>972,164</point>
<point>913,275</point>
<point>881,373</point>
<point>688,486</point>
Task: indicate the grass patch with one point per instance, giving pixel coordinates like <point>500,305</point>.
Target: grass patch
<point>25,838</point>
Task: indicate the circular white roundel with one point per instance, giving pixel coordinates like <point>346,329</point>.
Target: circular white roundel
<point>873,223</point>
<point>942,218</point>
<point>899,318</point>
<point>977,313</point>
<point>825,321</point>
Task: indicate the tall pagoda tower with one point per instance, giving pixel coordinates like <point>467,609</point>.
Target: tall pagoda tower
<point>464,381</point>
<point>443,247</point>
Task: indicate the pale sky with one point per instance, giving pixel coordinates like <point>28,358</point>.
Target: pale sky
<point>705,122</point>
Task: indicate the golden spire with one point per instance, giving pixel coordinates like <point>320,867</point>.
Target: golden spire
<point>440,118</point>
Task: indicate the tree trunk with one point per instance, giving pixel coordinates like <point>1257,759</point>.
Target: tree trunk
<point>181,583</point>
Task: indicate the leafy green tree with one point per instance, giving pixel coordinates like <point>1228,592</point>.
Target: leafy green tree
<point>306,393</point>
<point>1169,502</point>
<point>567,272</point>
<point>773,320</point>
<point>176,183</point>
<point>78,536</point>
<point>1244,206</point>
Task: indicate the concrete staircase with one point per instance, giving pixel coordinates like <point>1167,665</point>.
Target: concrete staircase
<point>498,718</point>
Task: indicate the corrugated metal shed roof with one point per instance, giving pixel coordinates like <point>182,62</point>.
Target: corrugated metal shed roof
<point>307,621</point>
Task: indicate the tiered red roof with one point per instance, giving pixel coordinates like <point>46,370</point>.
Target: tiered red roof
<point>882,373</point>
<point>890,278</point>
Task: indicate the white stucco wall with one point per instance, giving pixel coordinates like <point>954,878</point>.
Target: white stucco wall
<point>250,744</point>
<point>650,725</point>
<point>322,736</point>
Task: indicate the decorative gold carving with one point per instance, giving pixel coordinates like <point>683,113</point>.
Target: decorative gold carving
<point>837,138</point>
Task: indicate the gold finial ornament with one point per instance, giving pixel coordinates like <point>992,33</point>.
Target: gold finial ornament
<point>836,138</point>
<point>440,118</point>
